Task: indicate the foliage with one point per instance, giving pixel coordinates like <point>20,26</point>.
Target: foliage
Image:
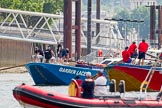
<point>45,6</point>
<point>27,5</point>
<point>159,2</point>
<point>123,14</point>
<point>53,6</point>
<point>139,14</point>
<point>142,13</point>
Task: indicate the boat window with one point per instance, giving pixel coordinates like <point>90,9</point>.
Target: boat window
<point>106,62</point>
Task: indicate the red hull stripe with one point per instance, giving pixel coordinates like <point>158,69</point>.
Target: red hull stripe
<point>140,74</point>
<point>38,97</point>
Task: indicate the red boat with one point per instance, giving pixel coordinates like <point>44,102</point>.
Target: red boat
<point>30,96</point>
<point>135,75</point>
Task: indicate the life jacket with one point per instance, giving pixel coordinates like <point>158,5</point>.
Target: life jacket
<point>48,54</point>
<point>160,56</point>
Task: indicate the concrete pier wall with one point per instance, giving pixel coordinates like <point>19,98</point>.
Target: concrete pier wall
<point>14,53</point>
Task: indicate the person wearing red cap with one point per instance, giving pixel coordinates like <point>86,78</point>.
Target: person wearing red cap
<point>142,48</point>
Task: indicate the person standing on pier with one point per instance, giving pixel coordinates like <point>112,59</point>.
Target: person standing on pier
<point>142,48</point>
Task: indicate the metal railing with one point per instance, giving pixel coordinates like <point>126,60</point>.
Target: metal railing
<point>92,57</point>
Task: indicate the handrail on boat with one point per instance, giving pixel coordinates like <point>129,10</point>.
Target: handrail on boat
<point>146,82</point>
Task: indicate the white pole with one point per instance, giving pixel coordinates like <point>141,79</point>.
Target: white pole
<point>125,35</point>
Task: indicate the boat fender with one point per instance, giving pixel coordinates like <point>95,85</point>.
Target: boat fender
<point>49,94</point>
<point>102,98</point>
<point>74,89</point>
<point>23,84</point>
<point>112,85</point>
<point>122,86</point>
<point>116,102</point>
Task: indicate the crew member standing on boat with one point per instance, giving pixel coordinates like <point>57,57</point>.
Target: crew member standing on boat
<point>38,55</point>
<point>41,55</point>
<point>48,54</point>
<point>59,52</point>
<point>100,84</point>
<point>133,51</point>
<point>142,48</point>
<point>67,55</point>
<point>88,87</point>
<point>64,54</point>
<point>126,56</point>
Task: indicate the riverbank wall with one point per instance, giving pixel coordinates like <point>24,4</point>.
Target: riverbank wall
<point>13,53</point>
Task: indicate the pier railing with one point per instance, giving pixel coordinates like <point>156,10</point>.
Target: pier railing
<point>48,29</point>
<point>92,57</point>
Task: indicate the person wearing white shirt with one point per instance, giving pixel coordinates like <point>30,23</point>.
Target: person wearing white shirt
<point>100,85</point>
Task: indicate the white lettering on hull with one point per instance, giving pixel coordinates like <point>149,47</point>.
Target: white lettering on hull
<point>72,71</point>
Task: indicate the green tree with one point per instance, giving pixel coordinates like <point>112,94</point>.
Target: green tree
<point>138,14</point>
<point>123,14</point>
<point>142,13</point>
<point>53,6</point>
<point>27,5</point>
<point>46,6</point>
<point>159,2</point>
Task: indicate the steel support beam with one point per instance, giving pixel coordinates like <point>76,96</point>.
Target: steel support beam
<point>89,36</point>
<point>159,27</point>
<point>67,40</point>
<point>152,23</point>
<point>98,3</point>
<point>78,29</point>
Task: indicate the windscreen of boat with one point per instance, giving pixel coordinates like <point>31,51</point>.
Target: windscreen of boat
<point>106,62</point>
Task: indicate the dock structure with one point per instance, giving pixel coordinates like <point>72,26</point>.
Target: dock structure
<point>46,29</point>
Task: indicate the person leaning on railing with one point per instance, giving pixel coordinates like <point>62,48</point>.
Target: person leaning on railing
<point>38,55</point>
<point>133,52</point>
<point>126,56</point>
<point>100,84</point>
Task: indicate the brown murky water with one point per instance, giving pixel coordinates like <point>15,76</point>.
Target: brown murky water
<point>10,80</point>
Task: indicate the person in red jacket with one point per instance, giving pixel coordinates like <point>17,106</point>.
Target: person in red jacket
<point>133,51</point>
<point>126,56</point>
<point>142,48</point>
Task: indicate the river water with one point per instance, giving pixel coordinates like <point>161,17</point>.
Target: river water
<point>8,81</point>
